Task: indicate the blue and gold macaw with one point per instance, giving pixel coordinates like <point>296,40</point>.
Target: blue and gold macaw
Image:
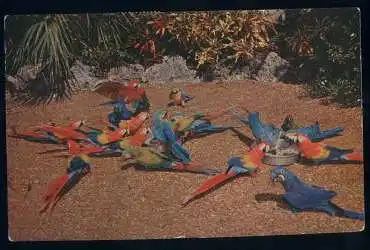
<point>165,137</point>
<point>198,125</point>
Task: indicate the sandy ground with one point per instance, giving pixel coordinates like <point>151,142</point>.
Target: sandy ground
<point>130,204</point>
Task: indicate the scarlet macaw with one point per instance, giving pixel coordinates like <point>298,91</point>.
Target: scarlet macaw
<point>249,164</point>
<point>78,167</point>
<point>319,153</point>
<point>129,92</point>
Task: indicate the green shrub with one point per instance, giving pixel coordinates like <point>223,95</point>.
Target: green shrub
<point>327,43</point>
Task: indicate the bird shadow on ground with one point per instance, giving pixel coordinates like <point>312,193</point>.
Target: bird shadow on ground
<point>243,137</point>
<point>309,163</point>
<point>144,169</point>
<point>51,151</point>
<point>278,198</point>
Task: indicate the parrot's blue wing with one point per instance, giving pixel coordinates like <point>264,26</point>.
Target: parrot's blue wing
<point>237,165</point>
<point>304,196</point>
<point>337,153</point>
<point>261,131</point>
<point>206,127</point>
<point>169,133</point>
<point>187,98</point>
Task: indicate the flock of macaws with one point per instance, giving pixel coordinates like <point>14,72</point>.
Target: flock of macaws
<point>162,146</point>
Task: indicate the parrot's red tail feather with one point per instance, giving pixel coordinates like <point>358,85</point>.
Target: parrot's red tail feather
<point>355,156</point>
<point>209,184</point>
<point>54,186</point>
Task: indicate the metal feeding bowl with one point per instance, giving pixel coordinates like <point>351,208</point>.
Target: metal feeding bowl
<point>284,154</point>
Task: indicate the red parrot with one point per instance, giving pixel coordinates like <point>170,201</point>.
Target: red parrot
<point>79,166</point>
<point>65,133</point>
<point>249,164</point>
<point>114,90</point>
<point>320,153</point>
<point>50,133</point>
<point>135,123</point>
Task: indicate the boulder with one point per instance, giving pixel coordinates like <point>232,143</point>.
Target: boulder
<point>172,68</point>
<point>85,78</point>
<point>124,73</point>
<point>273,68</point>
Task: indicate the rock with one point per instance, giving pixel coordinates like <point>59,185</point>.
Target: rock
<point>172,69</point>
<point>273,68</point>
<point>124,73</point>
<point>18,82</point>
<point>85,78</point>
<point>249,70</point>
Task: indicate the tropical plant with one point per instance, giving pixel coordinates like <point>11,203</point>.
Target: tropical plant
<point>56,41</point>
<point>327,43</point>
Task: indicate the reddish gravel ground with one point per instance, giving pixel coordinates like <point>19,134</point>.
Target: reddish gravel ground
<point>131,204</point>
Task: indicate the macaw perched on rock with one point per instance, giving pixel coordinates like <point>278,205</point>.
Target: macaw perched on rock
<point>114,90</point>
<point>118,148</point>
<point>305,197</point>
<point>178,97</point>
<point>313,132</point>
<point>198,125</point>
<point>319,153</point>
<point>165,138</point>
<point>79,166</point>
<point>248,164</point>
<point>149,158</point>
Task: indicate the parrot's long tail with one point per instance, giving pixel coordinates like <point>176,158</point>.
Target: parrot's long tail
<point>54,188</point>
<point>107,153</point>
<point>327,134</point>
<point>346,213</point>
<point>33,136</point>
<point>354,156</point>
<point>209,185</point>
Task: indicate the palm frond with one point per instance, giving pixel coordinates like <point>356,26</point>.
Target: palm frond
<point>47,42</point>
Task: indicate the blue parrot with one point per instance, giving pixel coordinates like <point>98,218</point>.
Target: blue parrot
<point>305,197</point>
<point>261,131</point>
<point>195,126</point>
<point>315,134</point>
<point>120,112</point>
<point>163,134</point>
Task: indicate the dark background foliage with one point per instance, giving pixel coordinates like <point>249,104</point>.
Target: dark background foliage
<point>321,45</point>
